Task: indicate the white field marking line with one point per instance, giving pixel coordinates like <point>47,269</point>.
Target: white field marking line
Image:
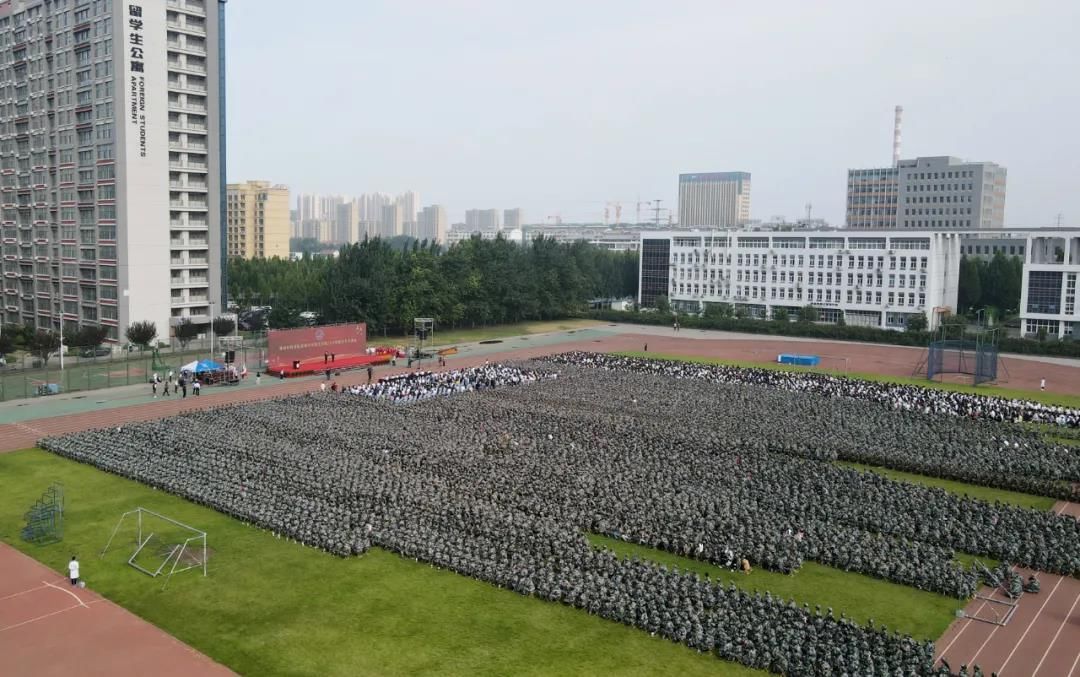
<point>967,625</point>
<point>1073,668</point>
<point>1028,628</point>
<point>81,603</point>
<point>1060,628</point>
<point>21,593</point>
<point>40,618</point>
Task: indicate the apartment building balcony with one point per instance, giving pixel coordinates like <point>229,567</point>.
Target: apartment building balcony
<point>190,281</point>
<point>195,6</point>
<point>189,166</point>
<point>189,186</point>
<point>184,67</point>
<point>178,86</point>
<point>189,243</point>
<point>198,205</point>
<point>177,126</point>
<point>189,147</point>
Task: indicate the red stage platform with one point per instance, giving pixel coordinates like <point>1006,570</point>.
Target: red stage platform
<point>316,365</point>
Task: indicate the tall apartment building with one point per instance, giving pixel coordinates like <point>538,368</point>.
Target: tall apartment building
<point>716,199</point>
<point>111,146</point>
<point>257,220</point>
<point>409,204</point>
<point>482,220</point>
<point>432,224</point>
<point>928,192</point>
<point>512,218</point>
<point>391,223</point>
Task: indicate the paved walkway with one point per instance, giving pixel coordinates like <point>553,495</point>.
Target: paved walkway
<point>48,627</point>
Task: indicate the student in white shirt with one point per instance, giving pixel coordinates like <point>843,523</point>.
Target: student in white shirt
<point>73,570</point>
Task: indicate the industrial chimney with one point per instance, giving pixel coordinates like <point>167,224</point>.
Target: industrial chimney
<point>896,137</point>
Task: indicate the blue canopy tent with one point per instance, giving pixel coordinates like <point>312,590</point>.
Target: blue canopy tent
<point>201,366</point>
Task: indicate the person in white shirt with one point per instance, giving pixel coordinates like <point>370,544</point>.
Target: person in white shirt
<point>73,570</point>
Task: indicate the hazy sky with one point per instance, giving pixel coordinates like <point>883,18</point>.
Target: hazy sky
<point>559,107</point>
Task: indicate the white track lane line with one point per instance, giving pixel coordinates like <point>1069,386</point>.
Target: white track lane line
<point>17,594</point>
<point>1060,628</point>
<point>1028,628</point>
<point>40,618</point>
<point>1073,668</point>
<point>81,603</point>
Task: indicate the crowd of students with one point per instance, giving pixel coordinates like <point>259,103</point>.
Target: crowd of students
<point>895,395</point>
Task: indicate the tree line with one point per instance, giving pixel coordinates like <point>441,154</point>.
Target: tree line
<point>995,284</point>
<point>474,282</point>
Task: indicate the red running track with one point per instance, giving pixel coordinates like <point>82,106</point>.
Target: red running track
<point>48,627</point>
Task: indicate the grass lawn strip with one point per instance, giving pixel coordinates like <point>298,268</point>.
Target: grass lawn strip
<point>270,606</point>
<point>923,615</point>
<point>990,391</point>
<point>502,331</point>
<point>989,494</point>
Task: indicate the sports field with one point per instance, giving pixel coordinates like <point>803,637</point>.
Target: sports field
<point>380,613</point>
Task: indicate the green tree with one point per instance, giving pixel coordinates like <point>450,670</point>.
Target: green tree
<point>781,315</point>
<point>86,336</point>
<point>223,326</point>
<point>740,312</point>
<point>141,333</point>
<point>808,314</point>
<point>719,311</point>
<point>662,304</point>
<point>7,342</point>
<point>43,344</point>
<point>916,323</point>
<point>185,331</point>
<point>969,281</point>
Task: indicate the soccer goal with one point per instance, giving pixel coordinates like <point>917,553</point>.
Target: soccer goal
<point>160,545</point>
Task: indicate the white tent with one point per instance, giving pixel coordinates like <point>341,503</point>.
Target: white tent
<point>190,367</point>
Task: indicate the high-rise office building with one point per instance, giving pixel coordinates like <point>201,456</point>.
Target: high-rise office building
<point>432,224</point>
<point>112,119</point>
<point>871,198</point>
<point>512,218</point>
<point>257,220</point>
<point>928,192</point>
<point>482,220</point>
<point>717,199</point>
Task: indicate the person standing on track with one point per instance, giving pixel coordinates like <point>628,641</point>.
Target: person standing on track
<point>73,570</point>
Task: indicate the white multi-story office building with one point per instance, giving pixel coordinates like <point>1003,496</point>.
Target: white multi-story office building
<point>928,192</point>
<point>714,199</point>
<point>877,279</point>
<point>1048,298</point>
<point>111,145</point>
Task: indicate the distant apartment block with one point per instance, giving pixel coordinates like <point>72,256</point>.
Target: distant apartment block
<point>482,220</point>
<point>716,199</point>
<point>928,192</point>
<point>257,220</point>
<point>512,218</point>
<point>432,224</point>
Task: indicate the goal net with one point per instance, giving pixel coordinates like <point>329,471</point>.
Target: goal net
<point>158,545</point>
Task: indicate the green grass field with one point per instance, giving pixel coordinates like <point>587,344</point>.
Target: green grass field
<point>272,607</point>
<point>923,615</point>
<point>501,331</point>
<point>993,391</point>
<point>960,488</point>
